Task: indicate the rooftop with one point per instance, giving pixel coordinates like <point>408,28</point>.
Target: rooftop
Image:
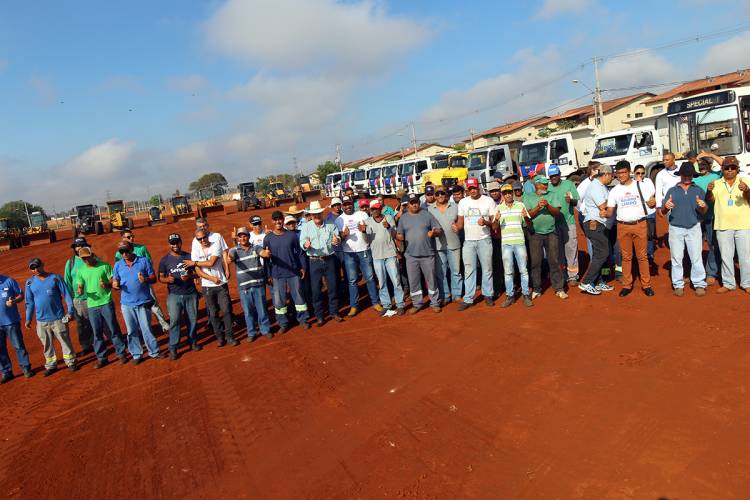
<point>736,78</point>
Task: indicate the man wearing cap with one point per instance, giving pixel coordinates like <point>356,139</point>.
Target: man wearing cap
<point>357,255</point>
<point>713,258</point>
<point>493,191</point>
<point>418,228</point>
<point>281,251</point>
<point>528,184</point>
<point>294,224</point>
<point>182,298</point>
<point>257,234</point>
<point>380,232</point>
<point>631,199</point>
<point>80,311</point>
<point>133,276</point>
<point>94,281</point>
<point>596,230</point>
<point>210,265</point>
<point>475,219</point>
<point>10,326</point>
<point>731,197</point>
<point>428,198</point>
<point>510,216</point>
<point>141,251</point>
<point>448,246</point>
<point>45,294</point>
<point>684,204</point>
<point>251,284</point>
<point>544,238</point>
<point>563,194</point>
<point>318,240</point>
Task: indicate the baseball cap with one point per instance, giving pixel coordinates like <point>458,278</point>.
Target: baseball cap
<point>364,203</point>
<point>79,242</point>
<point>429,190</point>
<point>346,200</point>
<point>472,182</point>
<point>412,197</point>
<point>506,187</point>
<point>405,199</point>
<point>493,186</point>
<point>730,160</point>
<point>289,218</point>
<point>540,179</point>
<point>553,170</point>
<point>174,238</point>
<point>35,262</point>
<point>517,185</point>
<point>687,169</point>
<point>242,230</point>
<point>255,220</point>
<point>376,204</point>
<point>124,247</point>
<point>276,215</point>
<point>531,174</point>
<point>85,252</point>
<point>335,201</point>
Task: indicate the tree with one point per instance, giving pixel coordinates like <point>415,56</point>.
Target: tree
<point>15,212</point>
<point>326,168</point>
<point>155,200</point>
<point>208,180</point>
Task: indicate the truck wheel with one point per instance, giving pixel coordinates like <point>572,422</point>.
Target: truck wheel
<point>99,228</point>
<point>52,237</point>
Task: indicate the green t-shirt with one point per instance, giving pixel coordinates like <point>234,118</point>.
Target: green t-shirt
<point>557,199</point>
<point>544,222</point>
<point>702,182</point>
<point>139,250</point>
<point>72,266</point>
<point>91,277</point>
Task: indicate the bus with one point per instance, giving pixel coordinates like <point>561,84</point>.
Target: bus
<point>717,121</point>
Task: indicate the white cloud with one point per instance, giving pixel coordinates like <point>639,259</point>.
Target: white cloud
<point>727,56</point>
<point>44,89</point>
<point>319,35</point>
<point>553,8</point>
<point>120,83</point>
<point>647,68</point>
<point>103,161</point>
<point>187,83</point>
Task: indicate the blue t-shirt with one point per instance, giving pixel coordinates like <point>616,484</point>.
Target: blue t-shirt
<point>285,254</point>
<point>596,194</point>
<point>45,296</point>
<point>173,265</point>
<point>9,289</point>
<point>133,292</point>
<point>685,212</point>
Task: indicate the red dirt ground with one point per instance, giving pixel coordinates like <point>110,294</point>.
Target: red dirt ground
<point>596,397</point>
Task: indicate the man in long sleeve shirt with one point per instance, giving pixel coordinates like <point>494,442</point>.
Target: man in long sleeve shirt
<point>45,294</point>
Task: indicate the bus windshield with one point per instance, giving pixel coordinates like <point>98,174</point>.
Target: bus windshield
<point>477,161</point>
<point>533,153</point>
<point>612,146</point>
<point>715,129</point>
<point>358,175</point>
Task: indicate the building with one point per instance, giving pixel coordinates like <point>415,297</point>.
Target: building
<point>423,150</point>
<point>502,134</point>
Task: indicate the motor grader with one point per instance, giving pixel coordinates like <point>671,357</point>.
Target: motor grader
<point>118,218</point>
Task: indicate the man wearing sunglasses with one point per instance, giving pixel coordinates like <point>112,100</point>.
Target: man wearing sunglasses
<point>731,197</point>
<point>639,175</point>
<point>80,311</point>
<point>45,295</point>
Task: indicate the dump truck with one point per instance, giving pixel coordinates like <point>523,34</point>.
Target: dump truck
<point>447,170</point>
<point>38,233</point>
<point>88,220</point>
<point>181,208</point>
<point>118,218</point>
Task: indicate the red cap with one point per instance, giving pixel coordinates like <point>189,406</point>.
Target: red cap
<point>472,182</point>
<point>376,204</point>
<point>364,203</point>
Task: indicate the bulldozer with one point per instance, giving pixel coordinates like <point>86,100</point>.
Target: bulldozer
<point>88,220</point>
<point>208,201</point>
<point>10,238</point>
<point>118,218</point>
<point>38,233</point>
<point>448,170</point>
<point>181,208</point>
<point>155,216</point>
<point>304,190</point>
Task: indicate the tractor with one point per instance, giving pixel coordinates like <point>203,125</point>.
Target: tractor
<point>38,233</point>
<point>181,208</point>
<point>248,197</point>
<point>118,218</point>
<point>155,216</point>
<point>88,220</point>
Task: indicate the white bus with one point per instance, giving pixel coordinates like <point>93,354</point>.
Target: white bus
<point>717,121</point>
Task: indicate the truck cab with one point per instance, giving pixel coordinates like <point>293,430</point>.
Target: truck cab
<point>374,180</point>
<point>412,172</point>
<point>447,170</point>
<point>390,179</point>
<point>359,180</point>
<point>539,154</point>
<point>491,162</point>
<point>333,185</point>
<point>639,146</point>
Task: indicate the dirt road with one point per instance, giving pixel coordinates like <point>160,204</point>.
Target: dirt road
<point>594,397</point>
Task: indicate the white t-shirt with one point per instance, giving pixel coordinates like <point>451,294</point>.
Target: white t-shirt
<point>582,187</point>
<point>665,180</point>
<point>203,254</point>
<point>628,201</point>
<point>472,210</point>
<point>356,241</point>
<point>212,238</point>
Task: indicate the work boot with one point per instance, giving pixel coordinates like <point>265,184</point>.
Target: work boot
<point>7,377</point>
<point>49,371</point>
<point>352,312</point>
<point>27,372</point>
<point>233,342</point>
<point>700,292</point>
<point>173,355</point>
<point>137,361</point>
<point>123,359</point>
<point>508,302</point>
<point>463,306</point>
<point>196,347</point>
<point>527,301</point>
<point>489,302</point>
<point>73,368</point>
<point>378,308</point>
<point>101,363</point>
<point>679,292</point>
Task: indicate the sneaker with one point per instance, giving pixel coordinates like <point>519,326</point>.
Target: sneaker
<point>589,288</point>
<point>561,294</point>
<point>700,292</point>
<point>400,311</point>
<point>679,292</point>
<point>305,325</point>
<point>319,322</point>
<point>414,310</point>
<point>123,359</point>
<point>604,287</point>
<point>527,301</point>
<point>388,313</point>
<point>234,342</point>
<point>221,343</point>
<point>724,290</point>
<point>508,302</point>
<point>435,309</point>
<point>173,355</point>
<point>7,377</point>
<point>269,336</point>
<point>196,347</point>
<point>352,312</point>
<point>535,295</point>
<point>28,373</point>
<point>252,337</point>
<point>710,281</point>
<point>101,363</point>
<point>73,367</point>
<point>137,361</point>
<point>463,306</point>
<point>489,302</point>
<point>283,329</point>
<point>49,371</point>
<point>378,308</point>
<point>338,319</point>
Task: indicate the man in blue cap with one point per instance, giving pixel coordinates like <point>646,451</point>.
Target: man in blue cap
<point>563,194</point>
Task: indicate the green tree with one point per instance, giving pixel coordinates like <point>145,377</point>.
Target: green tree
<point>324,169</point>
<point>155,200</point>
<point>15,212</point>
<point>208,180</point>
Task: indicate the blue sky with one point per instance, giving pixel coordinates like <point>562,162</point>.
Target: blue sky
<point>142,97</point>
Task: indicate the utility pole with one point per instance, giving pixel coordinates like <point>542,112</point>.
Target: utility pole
<point>338,157</point>
<point>296,166</point>
<point>26,209</point>
<point>471,132</point>
<point>414,139</point>
<point>598,98</point>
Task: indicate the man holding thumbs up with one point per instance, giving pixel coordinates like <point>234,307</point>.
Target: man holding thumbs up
<point>684,205</point>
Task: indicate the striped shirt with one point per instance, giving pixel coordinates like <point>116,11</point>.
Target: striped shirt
<point>511,220</point>
<point>248,267</point>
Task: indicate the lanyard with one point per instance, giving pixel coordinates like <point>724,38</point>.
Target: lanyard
<point>729,190</point>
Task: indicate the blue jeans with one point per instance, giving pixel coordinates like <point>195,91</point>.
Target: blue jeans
<point>101,317</point>
<point>279,292</point>
<point>651,247</point>
<point>690,239</point>
<point>731,240</point>
<point>363,262</point>
<point>449,262</point>
<point>713,259</point>
<point>472,250</point>
<point>16,339</point>
<point>138,322</point>
<point>253,302</point>
<point>384,269</point>
<point>517,252</point>
<point>176,304</point>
